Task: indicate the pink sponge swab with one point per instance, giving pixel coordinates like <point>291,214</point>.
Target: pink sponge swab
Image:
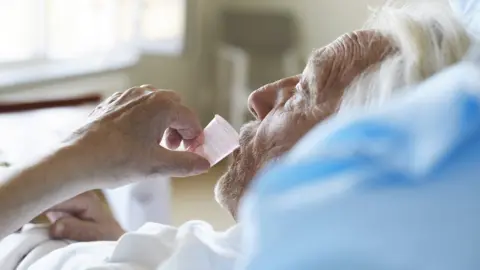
<point>221,139</point>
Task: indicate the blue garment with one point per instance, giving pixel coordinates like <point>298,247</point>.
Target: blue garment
<point>392,188</point>
<point>469,12</point>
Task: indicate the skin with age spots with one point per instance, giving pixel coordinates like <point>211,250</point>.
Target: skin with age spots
<point>287,109</point>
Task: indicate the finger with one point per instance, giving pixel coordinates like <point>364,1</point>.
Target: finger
<point>149,87</point>
<point>165,94</point>
<point>192,144</point>
<point>79,230</point>
<point>75,229</point>
<point>179,164</point>
<point>82,205</point>
<point>53,216</point>
<point>172,95</point>
<point>102,107</point>
<point>113,97</point>
<point>158,112</point>
<point>172,138</point>
<point>132,94</point>
<point>186,123</point>
<point>154,112</point>
<point>110,99</point>
<point>175,116</point>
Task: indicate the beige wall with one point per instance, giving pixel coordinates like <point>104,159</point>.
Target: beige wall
<point>320,21</point>
<point>192,73</point>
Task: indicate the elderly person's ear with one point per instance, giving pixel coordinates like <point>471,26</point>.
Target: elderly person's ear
<point>264,99</point>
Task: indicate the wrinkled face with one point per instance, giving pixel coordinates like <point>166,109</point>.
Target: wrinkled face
<point>287,109</point>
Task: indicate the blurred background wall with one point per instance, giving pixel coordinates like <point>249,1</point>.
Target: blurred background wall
<point>320,21</point>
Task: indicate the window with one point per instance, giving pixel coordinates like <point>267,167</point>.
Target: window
<point>34,32</point>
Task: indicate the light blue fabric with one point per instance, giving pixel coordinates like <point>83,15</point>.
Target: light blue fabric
<point>394,188</point>
<point>469,12</point>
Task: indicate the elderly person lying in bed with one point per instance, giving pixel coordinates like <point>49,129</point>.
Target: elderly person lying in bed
<point>401,47</point>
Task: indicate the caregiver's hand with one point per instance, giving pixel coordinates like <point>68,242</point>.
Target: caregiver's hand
<point>83,218</point>
<point>122,139</point>
<point>119,145</point>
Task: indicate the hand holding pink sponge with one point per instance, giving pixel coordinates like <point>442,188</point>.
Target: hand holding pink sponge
<point>221,139</point>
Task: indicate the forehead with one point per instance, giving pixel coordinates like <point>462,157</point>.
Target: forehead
<point>332,68</point>
<point>309,74</point>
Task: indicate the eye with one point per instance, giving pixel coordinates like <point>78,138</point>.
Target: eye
<point>293,97</point>
<point>290,95</point>
<point>298,87</point>
<point>299,91</point>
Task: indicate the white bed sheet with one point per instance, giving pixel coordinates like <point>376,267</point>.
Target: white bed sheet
<point>194,245</point>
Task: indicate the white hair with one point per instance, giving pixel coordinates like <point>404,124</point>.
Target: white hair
<point>428,38</point>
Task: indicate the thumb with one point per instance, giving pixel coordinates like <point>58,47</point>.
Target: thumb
<point>180,163</point>
<point>72,228</point>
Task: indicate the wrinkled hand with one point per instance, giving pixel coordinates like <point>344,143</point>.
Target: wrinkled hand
<point>83,218</point>
<point>121,141</point>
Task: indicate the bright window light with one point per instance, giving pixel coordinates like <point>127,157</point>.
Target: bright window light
<point>34,31</point>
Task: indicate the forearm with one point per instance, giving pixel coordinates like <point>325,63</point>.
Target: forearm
<point>37,187</point>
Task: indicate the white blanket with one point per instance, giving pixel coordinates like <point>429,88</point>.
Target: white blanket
<point>194,245</point>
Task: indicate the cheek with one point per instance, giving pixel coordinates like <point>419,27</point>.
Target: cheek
<point>277,134</point>
<point>287,129</point>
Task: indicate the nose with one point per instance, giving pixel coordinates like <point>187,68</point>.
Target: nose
<point>264,99</point>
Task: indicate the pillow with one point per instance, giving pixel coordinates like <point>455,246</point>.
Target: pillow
<point>391,188</point>
<point>469,12</point>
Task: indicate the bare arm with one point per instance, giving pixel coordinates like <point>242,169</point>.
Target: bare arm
<point>120,144</point>
<point>32,190</point>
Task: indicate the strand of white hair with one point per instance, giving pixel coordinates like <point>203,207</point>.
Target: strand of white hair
<point>428,38</point>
